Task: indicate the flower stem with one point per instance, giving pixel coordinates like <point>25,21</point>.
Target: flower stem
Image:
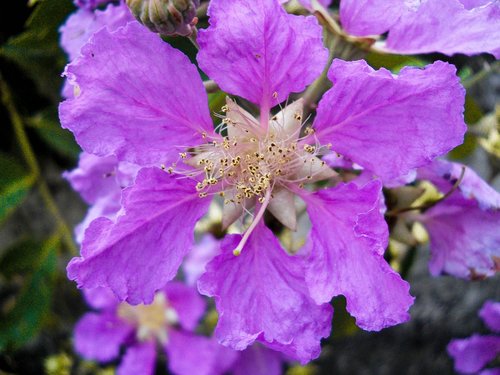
<point>29,157</point>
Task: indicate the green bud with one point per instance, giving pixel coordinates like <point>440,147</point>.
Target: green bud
<point>167,17</point>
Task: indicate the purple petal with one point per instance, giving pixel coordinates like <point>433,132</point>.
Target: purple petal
<point>367,17</point>
<point>140,98</point>
<point>99,336</point>
<point>82,24</point>
<point>190,354</point>
<point>448,27</point>
<point>187,303</point>
<point>139,359</point>
<point>445,174</point>
<point>473,353</point>
<point>258,360</point>
<point>464,239</point>
<point>197,259</point>
<point>100,298</point>
<point>254,49</point>
<point>261,294</point>
<point>491,371</point>
<point>490,313</point>
<point>347,242</point>
<point>391,125</point>
<point>140,252</point>
<point>307,3</point>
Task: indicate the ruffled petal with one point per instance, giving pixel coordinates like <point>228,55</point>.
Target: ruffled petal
<point>139,359</point>
<point>82,24</point>
<point>447,26</point>
<point>140,99</point>
<point>490,313</point>
<point>347,241</point>
<point>99,336</point>
<point>254,49</point>
<point>140,252</point>
<point>283,315</point>
<point>190,354</point>
<point>391,124</point>
<point>473,353</point>
<point>258,360</point>
<point>367,17</point>
<point>187,303</point>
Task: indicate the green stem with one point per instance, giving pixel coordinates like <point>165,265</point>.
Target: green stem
<point>29,157</point>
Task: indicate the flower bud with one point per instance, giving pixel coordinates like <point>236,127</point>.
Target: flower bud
<point>167,17</point>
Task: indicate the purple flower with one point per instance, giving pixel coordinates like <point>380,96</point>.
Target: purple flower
<point>168,323</point>
<point>144,102</point>
<point>90,4</point>
<point>463,228</point>
<point>446,26</point>
<point>472,354</point>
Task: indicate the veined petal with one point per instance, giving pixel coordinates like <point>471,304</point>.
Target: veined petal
<point>447,26</point>
<point>346,243</point>
<point>138,359</point>
<point>99,336</point>
<point>141,251</point>
<point>254,49</point>
<point>490,313</point>
<point>140,99</point>
<point>473,353</point>
<point>187,303</point>
<point>391,124</point>
<point>283,316</point>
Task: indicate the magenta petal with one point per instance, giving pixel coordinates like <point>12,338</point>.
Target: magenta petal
<point>99,336</point>
<point>390,125</point>
<point>262,293</point>
<point>490,313</point>
<point>139,359</point>
<point>258,360</point>
<point>140,98</point>
<point>447,26</point>
<point>473,353</point>
<point>190,354</point>
<point>140,252</point>
<point>187,303</point>
<point>367,17</point>
<point>100,298</point>
<point>202,253</point>
<point>347,242</point>
<point>253,49</point>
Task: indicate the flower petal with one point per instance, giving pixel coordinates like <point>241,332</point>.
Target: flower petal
<point>347,241</point>
<point>140,252</point>
<point>99,336</point>
<point>367,17</point>
<point>138,359</point>
<point>473,353</point>
<point>254,49</point>
<point>100,298</point>
<point>261,295</point>
<point>140,98</point>
<point>259,360</point>
<point>197,259</point>
<point>448,27</point>
<point>391,125</point>
<point>187,303</point>
<point>490,313</point>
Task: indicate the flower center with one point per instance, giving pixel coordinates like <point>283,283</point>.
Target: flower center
<point>151,321</point>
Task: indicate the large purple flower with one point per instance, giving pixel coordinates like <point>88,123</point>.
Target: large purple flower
<point>472,354</point>
<point>167,323</point>
<point>144,102</point>
<point>446,26</point>
<point>463,228</point>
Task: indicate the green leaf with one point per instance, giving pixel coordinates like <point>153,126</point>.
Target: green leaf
<point>215,103</point>
<point>48,128</point>
<point>472,115</point>
<point>12,170</point>
<point>30,307</point>
<point>14,194</point>
<point>18,258</point>
<point>37,49</point>
<point>393,62</point>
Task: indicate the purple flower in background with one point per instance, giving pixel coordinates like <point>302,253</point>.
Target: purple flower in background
<point>472,354</point>
<point>463,228</point>
<point>90,4</point>
<point>168,324</point>
<point>446,26</point>
<point>144,102</point>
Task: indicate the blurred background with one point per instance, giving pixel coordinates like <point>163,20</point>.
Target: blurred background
<point>38,211</point>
